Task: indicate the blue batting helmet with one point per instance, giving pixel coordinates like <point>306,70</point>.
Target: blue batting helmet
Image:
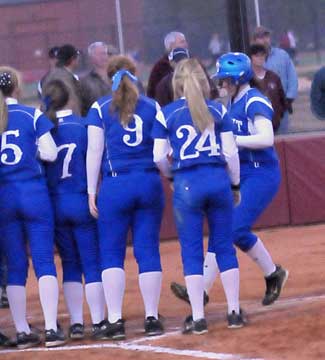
<point>236,66</point>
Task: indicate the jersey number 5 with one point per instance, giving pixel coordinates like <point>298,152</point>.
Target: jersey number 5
<point>206,142</point>
<point>66,161</point>
<point>5,146</point>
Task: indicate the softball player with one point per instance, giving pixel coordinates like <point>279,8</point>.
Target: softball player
<point>130,195</point>
<point>25,209</point>
<point>75,228</point>
<point>200,134</point>
<point>259,172</point>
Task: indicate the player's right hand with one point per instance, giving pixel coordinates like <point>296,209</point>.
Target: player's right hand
<point>92,205</point>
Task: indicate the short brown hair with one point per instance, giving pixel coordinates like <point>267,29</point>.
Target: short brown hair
<point>257,49</point>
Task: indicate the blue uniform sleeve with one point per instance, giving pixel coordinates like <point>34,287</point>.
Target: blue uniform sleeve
<point>221,117</point>
<point>227,124</point>
<point>259,105</point>
<point>42,124</point>
<point>159,129</point>
<point>95,116</point>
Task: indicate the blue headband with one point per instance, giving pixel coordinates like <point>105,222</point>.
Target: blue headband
<point>118,76</point>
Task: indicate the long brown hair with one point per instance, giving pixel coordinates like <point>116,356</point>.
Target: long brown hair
<point>126,96</point>
<point>55,97</point>
<point>190,80</point>
<point>9,81</point>
<point>72,85</point>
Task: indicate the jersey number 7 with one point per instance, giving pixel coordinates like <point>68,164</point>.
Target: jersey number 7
<point>68,156</point>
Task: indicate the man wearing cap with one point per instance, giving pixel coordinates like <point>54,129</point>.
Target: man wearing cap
<point>164,89</point>
<point>95,84</point>
<point>173,40</point>
<point>279,61</point>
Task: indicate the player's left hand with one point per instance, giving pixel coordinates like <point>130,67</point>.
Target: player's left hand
<point>92,205</point>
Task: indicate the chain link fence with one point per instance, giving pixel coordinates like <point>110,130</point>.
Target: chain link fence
<point>30,28</point>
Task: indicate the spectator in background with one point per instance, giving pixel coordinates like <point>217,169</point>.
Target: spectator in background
<point>164,89</point>
<point>112,50</point>
<point>279,61</point>
<point>267,82</point>
<point>95,84</point>
<point>162,67</point>
<point>289,44</point>
<point>317,94</point>
<point>68,58</point>
<point>67,63</point>
<point>52,58</point>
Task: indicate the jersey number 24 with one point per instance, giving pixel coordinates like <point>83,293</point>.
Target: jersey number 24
<point>206,142</point>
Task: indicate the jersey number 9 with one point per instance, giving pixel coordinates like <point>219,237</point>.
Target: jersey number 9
<point>137,130</point>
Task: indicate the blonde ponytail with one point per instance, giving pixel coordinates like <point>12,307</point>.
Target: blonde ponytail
<point>190,80</point>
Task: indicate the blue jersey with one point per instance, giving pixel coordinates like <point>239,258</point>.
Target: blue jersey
<point>243,113</point>
<point>19,160</point>
<point>190,147</point>
<point>126,147</point>
<point>68,173</point>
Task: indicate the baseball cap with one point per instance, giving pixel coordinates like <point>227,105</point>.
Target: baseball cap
<point>66,53</point>
<point>178,54</point>
<point>261,31</point>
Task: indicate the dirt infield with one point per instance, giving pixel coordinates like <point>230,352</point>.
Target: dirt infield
<point>291,329</point>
